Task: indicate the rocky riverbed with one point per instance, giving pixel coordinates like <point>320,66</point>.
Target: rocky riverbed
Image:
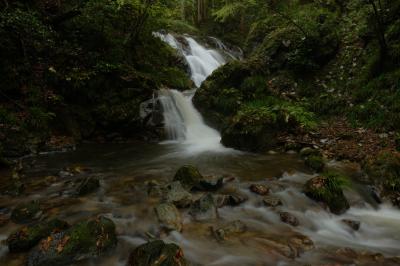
<point>102,203</point>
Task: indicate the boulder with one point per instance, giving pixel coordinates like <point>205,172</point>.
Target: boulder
<point>28,236</point>
<point>204,208</point>
<point>26,213</point>
<point>86,239</point>
<point>169,216</point>
<point>189,176</point>
<point>177,195</point>
<point>157,253</point>
<point>328,189</point>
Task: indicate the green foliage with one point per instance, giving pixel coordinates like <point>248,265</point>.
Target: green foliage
<point>333,184</point>
<point>283,111</point>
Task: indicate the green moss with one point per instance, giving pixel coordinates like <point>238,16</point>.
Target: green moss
<point>27,237</point>
<point>328,188</point>
<point>385,169</point>
<point>315,162</point>
<point>189,176</point>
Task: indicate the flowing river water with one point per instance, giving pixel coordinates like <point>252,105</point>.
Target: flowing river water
<point>125,170</point>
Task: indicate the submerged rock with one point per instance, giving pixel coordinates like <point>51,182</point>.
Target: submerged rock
<point>260,189</point>
<point>87,239</point>
<point>289,218</point>
<point>355,225</point>
<point>328,189</point>
<point>189,176</point>
<point>169,216</point>
<point>271,201</point>
<point>177,195</point>
<point>204,208</point>
<point>26,212</point>
<point>225,231</point>
<point>88,185</point>
<point>28,236</point>
<point>157,253</point>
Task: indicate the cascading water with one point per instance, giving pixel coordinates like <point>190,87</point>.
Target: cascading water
<point>183,122</point>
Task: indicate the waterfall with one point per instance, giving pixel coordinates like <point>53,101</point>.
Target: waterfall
<point>183,123</point>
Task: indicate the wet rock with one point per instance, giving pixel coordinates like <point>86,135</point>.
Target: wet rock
<point>4,219</point>
<point>87,239</point>
<point>229,229</point>
<point>384,171</point>
<point>271,201</point>
<point>290,247</point>
<point>204,208</point>
<point>169,217</point>
<point>300,244</point>
<point>157,253</point>
<point>189,176</point>
<point>375,194</point>
<point>315,162</point>
<point>289,218</point>
<point>88,185</point>
<point>328,189</point>
<point>307,151</point>
<point>260,189</point>
<point>177,195</point>
<point>355,225</point>
<point>154,189</point>
<point>28,236</point>
<point>26,212</point>
<point>234,199</point>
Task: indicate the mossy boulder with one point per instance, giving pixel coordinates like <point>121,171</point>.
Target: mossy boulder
<point>189,176</point>
<point>26,212</point>
<point>157,253</point>
<point>28,236</point>
<point>384,171</point>
<point>86,239</point>
<point>252,129</point>
<point>315,162</point>
<point>87,185</point>
<point>328,188</point>
<point>177,195</point>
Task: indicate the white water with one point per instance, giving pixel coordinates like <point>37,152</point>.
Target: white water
<point>183,123</point>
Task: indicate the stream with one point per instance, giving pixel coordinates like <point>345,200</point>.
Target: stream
<point>321,238</point>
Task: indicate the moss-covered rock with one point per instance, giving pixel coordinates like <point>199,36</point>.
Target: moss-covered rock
<point>157,253</point>
<point>328,188</point>
<point>26,212</point>
<point>177,195</point>
<point>87,185</point>
<point>87,239</point>
<point>28,236</point>
<point>315,162</point>
<point>189,176</point>
<point>384,171</point>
